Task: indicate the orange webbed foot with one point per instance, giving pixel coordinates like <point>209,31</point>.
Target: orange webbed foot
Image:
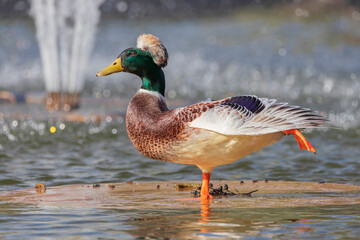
<point>206,196</point>
<point>303,143</point>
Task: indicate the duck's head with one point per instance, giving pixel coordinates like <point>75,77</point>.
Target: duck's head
<point>146,61</point>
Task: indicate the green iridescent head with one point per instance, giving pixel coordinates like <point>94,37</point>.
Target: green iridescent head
<point>145,61</point>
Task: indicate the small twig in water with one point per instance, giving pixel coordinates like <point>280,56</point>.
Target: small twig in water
<point>245,194</point>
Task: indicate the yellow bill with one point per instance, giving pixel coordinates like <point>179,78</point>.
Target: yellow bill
<point>112,68</point>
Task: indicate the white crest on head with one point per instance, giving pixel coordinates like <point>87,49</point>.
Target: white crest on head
<point>149,42</point>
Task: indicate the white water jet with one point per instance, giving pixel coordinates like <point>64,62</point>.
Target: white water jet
<point>65,33</point>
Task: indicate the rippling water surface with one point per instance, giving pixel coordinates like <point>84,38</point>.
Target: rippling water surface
<point>312,63</point>
<point>283,223</point>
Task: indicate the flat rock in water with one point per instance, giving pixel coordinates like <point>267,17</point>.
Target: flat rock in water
<point>171,195</point>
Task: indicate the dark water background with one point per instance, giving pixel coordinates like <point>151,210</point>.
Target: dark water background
<point>307,58</point>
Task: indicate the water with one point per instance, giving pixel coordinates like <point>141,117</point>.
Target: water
<point>312,62</point>
<point>94,152</point>
<point>284,223</point>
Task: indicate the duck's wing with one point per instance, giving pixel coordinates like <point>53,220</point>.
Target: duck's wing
<point>248,115</point>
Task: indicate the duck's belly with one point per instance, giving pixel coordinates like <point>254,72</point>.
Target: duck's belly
<point>208,149</point>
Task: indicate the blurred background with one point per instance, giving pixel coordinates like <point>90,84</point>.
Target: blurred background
<point>305,52</point>
<point>297,51</point>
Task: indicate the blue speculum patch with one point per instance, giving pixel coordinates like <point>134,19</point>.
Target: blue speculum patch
<point>251,103</point>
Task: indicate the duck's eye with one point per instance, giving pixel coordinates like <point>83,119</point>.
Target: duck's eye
<point>114,63</point>
<point>131,54</point>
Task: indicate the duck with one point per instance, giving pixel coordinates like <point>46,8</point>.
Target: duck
<point>206,134</point>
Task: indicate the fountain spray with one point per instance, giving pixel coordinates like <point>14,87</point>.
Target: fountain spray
<point>65,32</point>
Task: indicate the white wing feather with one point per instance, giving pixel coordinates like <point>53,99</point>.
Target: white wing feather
<point>274,117</point>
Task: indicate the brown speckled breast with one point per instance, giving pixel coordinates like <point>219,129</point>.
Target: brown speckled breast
<point>152,128</point>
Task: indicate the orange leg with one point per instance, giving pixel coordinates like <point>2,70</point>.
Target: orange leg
<point>303,143</point>
<point>204,194</point>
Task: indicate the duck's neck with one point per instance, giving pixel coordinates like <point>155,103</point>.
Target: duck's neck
<point>153,80</point>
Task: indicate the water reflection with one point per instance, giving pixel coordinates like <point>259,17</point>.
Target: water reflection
<point>236,223</point>
<point>205,211</point>
<point>194,223</point>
